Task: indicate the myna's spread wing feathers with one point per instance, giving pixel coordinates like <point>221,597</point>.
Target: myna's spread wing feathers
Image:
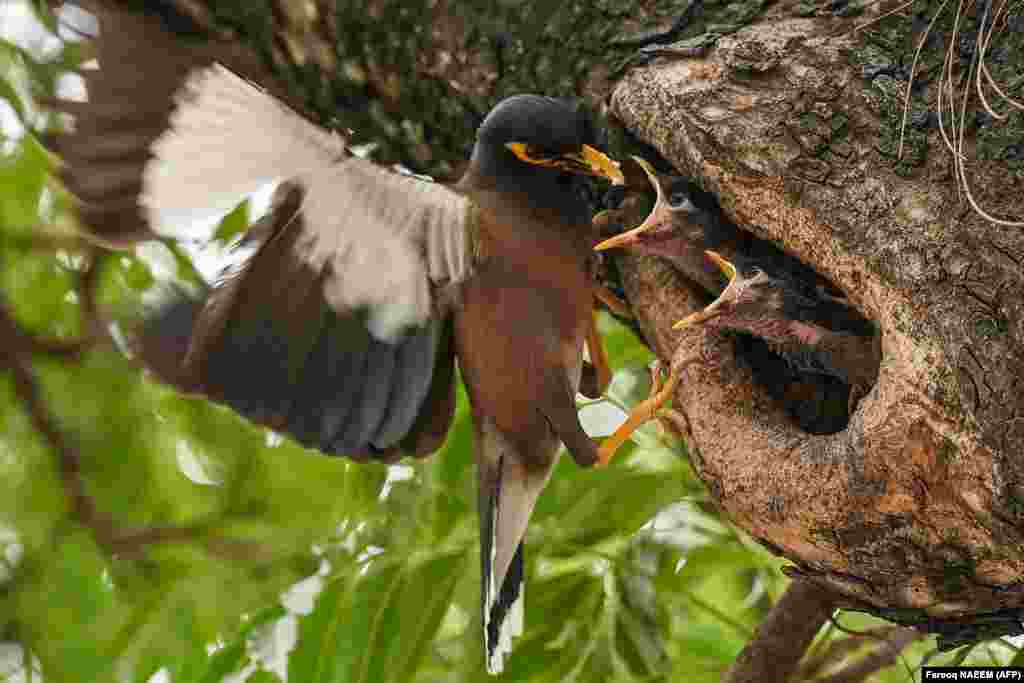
<point>384,239</point>
<point>331,331</point>
<point>378,239</point>
<point>141,65</point>
<point>166,137</point>
<point>270,343</point>
<point>227,138</point>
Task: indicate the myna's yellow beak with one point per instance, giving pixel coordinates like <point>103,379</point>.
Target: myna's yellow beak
<point>586,161</point>
<point>631,237</point>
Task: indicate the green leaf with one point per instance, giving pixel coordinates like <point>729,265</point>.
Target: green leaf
<point>32,498</point>
<point>124,279</point>
<point>42,12</point>
<point>23,175</point>
<point>265,616</point>
<point>585,506</point>
<point>710,641</point>
<point>180,648</point>
<point>72,55</point>
<point>375,624</point>
<point>40,289</point>
<point>66,607</point>
<point>621,343</point>
<point>227,660</point>
<point>187,271</point>
<point>234,224</point>
<point>450,473</point>
<point>10,94</point>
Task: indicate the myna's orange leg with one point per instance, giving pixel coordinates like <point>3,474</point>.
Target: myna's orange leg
<point>647,410</point>
<point>598,356</point>
<point>597,373</point>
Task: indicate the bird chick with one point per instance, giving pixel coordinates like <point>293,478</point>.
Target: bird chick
<point>813,334</point>
<point>678,231</point>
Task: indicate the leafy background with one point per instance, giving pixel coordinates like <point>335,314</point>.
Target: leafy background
<point>237,555</point>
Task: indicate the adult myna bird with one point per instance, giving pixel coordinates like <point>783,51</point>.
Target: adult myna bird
<point>767,294</point>
<point>343,327</point>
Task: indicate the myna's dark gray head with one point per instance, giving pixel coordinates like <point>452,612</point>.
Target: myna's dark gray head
<point>526,132</point>
<point>557,124</point>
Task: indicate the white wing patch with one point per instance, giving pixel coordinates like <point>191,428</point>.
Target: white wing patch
<point>385,238</point>
<point>226,139</point>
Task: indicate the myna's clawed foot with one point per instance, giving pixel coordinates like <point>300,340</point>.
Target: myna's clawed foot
<point>661,392</point>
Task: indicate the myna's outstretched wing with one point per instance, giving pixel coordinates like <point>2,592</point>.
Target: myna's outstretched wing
<point>333,330</point>
<point>272,343</point>
<point>131,94</point>
<point>226,138</point>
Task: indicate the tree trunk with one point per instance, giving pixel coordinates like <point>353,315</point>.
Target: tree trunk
<point>416,77</point>
<point>917,505</point>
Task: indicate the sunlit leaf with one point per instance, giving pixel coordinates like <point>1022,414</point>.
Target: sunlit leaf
<point>227,660</point>
<point>11,96</point>
<point>66,607</point>
<point>621,343</point>
<point>23,175</point>
<point>41,10</point>
<point>375,625</point>
<point>234,224</point>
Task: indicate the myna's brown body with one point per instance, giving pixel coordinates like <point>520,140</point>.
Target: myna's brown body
<point>343,327</point>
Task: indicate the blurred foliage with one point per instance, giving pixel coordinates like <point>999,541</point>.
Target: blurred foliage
<point>288,563</point>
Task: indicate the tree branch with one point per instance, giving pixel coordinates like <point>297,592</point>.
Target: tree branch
<point>15,355</point>
<point>782,638</point>
<point>18,341</point>
<point>838,649</point>
<point>885,655</point>
<point>27,387</point>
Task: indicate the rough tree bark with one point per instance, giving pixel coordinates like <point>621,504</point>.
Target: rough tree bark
<point>785,634</point>
<point>916,506</point>
<point>915,510</point>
